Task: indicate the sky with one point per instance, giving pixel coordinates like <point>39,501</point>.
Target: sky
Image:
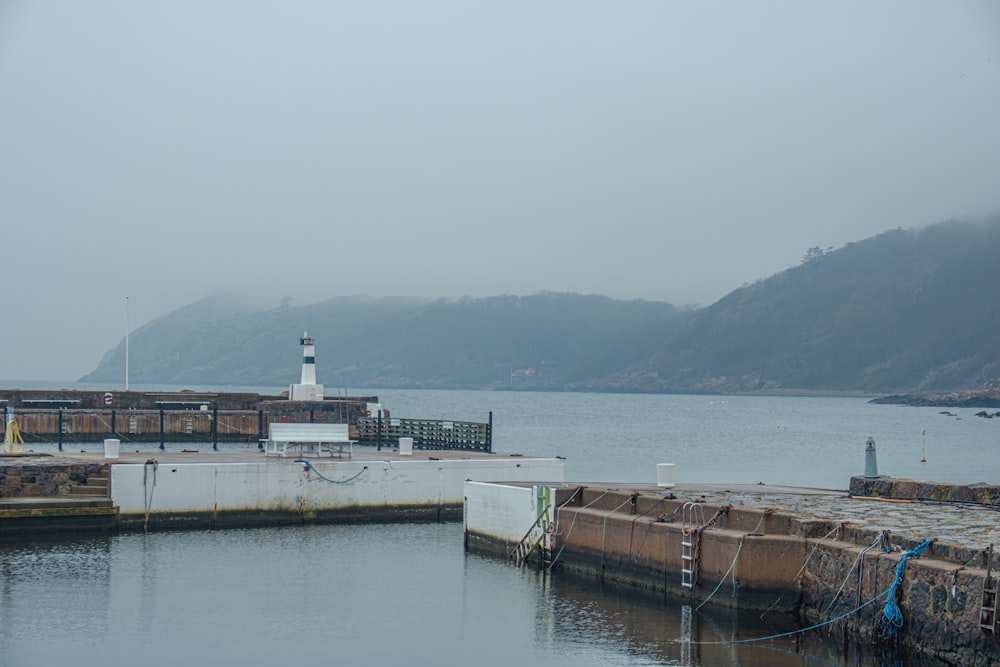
<point>660,150</point>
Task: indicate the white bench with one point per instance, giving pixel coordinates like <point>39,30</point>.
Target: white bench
<point>312,436</point>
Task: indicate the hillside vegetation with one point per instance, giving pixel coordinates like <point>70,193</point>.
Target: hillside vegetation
<point>905,311</point>
<point>545,340</point>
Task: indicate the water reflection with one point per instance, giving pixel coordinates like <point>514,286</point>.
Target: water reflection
<point>46,572</point>
<point>358,594</point>
<point>577,614</point>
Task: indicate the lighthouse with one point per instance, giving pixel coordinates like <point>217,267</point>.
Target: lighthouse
<point>307,389</point>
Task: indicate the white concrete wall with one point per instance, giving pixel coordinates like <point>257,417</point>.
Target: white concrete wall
<point>287,485</point>
<point>500,511</point>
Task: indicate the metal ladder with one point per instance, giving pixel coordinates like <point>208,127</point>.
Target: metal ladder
<point>540,536</point>
<point>526,546</point>
<point>988,604</point>
<point>692,521</point>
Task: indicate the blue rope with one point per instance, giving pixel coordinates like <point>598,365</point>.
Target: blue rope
<point>890,592</point>
<point>892,615</point>
<point>792,632</point>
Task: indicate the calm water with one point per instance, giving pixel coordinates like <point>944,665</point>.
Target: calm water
<point>779,440</point>
<point>351,595</point>
<point>404,594</point>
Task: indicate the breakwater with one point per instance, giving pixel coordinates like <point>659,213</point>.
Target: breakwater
<point>177,416</point>
<point>193,489</point>
<point>827,557</point>
<point>68,416</point>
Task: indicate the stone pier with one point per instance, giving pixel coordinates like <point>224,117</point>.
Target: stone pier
<point>818,554</point>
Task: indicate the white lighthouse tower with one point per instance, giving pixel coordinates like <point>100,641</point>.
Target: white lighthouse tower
<point>307,389</point>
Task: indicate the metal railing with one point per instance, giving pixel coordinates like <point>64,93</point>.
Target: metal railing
<point>426,433</point>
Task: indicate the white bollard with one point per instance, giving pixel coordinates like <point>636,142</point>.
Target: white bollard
<point>111,446</point>
<point>665,475</point>
<point>406,446</point>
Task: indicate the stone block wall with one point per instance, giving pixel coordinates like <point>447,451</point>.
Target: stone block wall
<point>908,489</point>
<point>19,480</point>
<point>770,557</point>
<point>939,601</point>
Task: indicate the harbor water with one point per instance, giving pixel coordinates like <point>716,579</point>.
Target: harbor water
<point>409,594</point>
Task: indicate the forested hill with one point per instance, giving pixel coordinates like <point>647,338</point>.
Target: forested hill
<point>545,340</point>
<point>910,311</point>
<point>903,312</point>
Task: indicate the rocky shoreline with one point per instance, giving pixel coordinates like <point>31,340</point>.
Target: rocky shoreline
<point>983,397</point>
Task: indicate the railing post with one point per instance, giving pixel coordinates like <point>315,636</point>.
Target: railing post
<point>260,428</point>
<point>114,431</point>
<point>60,428</point>
<point>163,444</point>
<point>489,434</point>
<point>215,427</point>
<point>378,433</point>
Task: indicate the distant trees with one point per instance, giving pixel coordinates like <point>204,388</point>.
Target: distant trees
<point>815,253</point>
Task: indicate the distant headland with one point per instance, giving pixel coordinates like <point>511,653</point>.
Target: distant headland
<point>987,396</point>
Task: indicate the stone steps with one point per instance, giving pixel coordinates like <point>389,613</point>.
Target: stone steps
<point>97,486</point>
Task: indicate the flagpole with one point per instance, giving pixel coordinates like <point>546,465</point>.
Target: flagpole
<point>126,342</point>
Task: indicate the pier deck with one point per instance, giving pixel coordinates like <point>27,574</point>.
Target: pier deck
<point>208,455</point>
<point>969,525</point>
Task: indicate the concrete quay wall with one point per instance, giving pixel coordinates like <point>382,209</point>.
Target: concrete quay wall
<point>179,490</point>
<point>183,495</point>
<point>497,516</point>
<point>636,539</point>
<point>758,558</point>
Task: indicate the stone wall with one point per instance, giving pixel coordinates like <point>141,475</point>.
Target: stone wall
<point>939,601</point>
<point>778,560</point>
<point>20,480</point>
<point>908,489</point>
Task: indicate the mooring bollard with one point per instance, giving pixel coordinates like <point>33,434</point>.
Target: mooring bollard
<point>665,475</point>
<point>871,461</point>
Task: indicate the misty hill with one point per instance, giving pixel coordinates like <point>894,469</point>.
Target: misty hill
<point>545,340</point>
<point>905,311</point>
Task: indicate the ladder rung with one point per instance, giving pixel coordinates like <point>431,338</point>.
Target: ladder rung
<point>687,544</point>
<point>687,558</point>
<point>687,571</point>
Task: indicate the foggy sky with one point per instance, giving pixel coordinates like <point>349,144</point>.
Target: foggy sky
<point>658,150</point>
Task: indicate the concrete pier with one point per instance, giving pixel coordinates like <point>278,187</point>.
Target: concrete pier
<point>192,489</point>
<point>817,553</point>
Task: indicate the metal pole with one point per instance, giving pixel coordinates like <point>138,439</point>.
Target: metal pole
<point>114,431</point>
<point>126,342</point>
<point>260,428</point>
<point>215,427</point>
<point>60,428</point>
<point>378,433</point>
<point>489,434</point>
<point>162,439</point>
